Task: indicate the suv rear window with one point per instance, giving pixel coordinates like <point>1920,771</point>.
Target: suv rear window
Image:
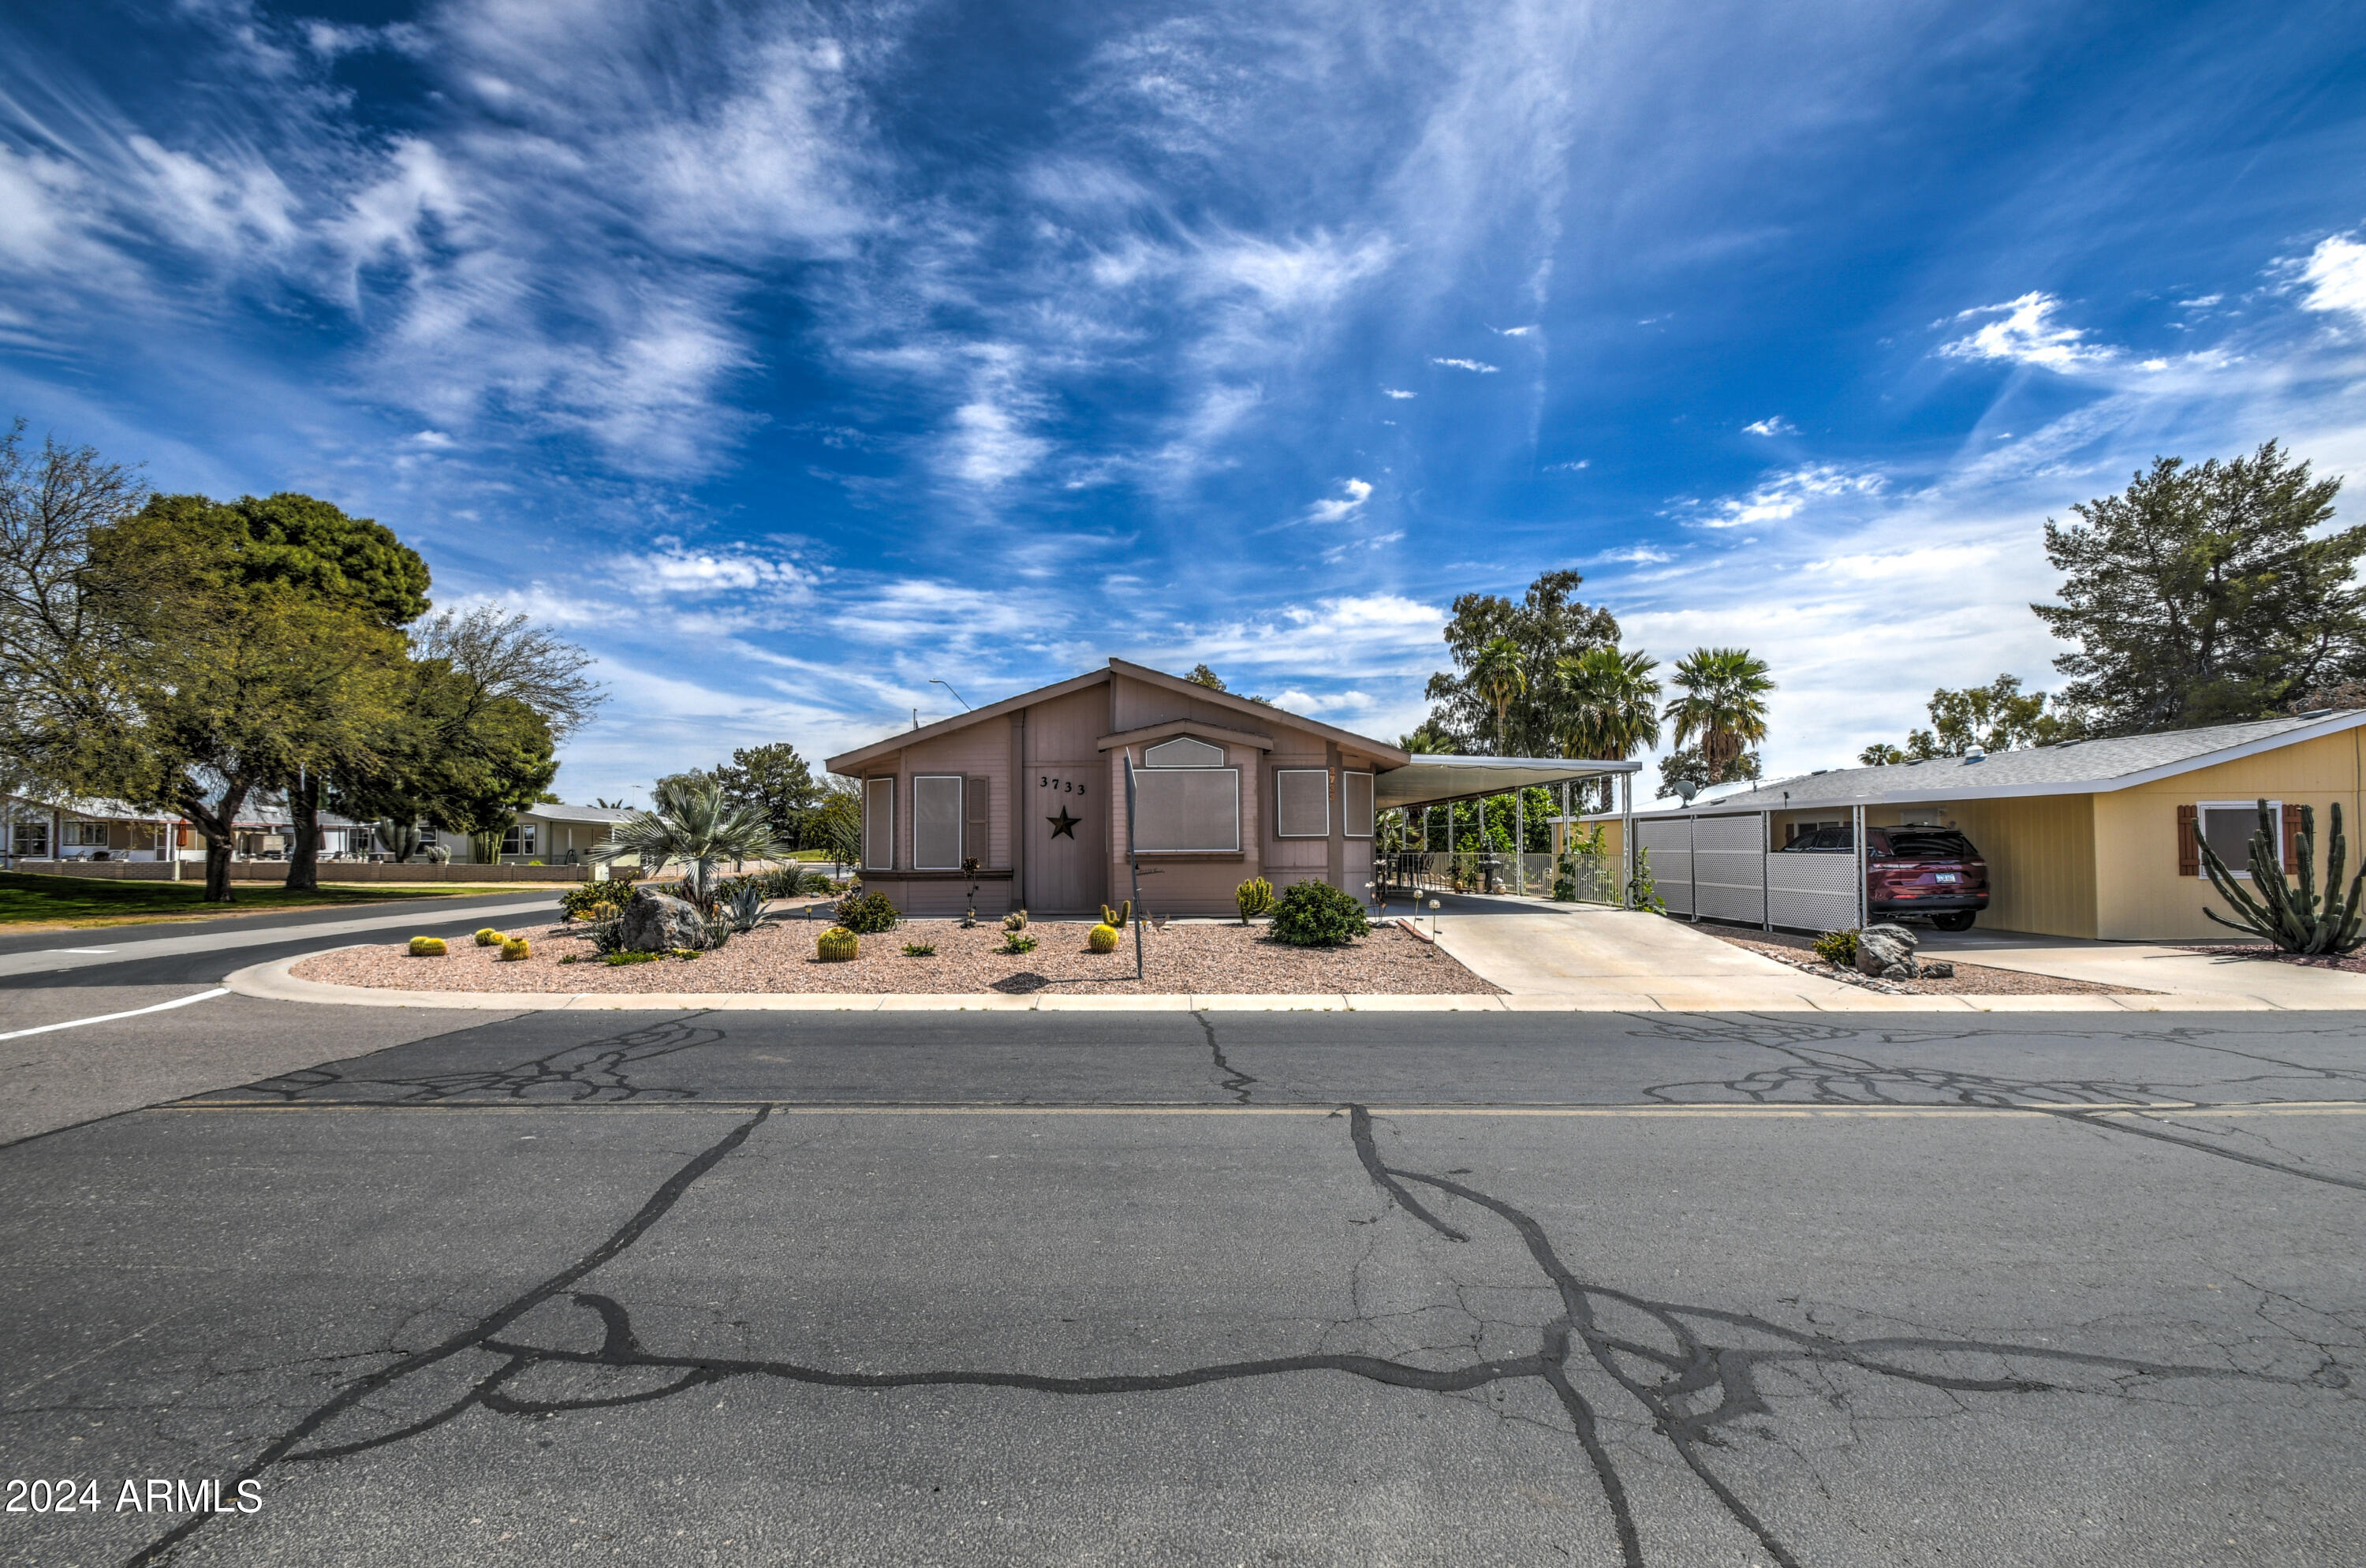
<point>1931,843</point>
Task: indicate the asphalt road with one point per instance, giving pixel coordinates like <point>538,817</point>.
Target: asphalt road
<point>1251,1289</point>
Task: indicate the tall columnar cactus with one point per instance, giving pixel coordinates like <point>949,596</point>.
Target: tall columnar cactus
<point>2295,917</point>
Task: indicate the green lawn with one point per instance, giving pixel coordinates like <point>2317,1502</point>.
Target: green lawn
<point>29,900</point>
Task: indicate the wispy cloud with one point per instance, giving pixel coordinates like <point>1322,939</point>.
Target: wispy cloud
<point>1472,364</point>
<point>2025,333</point>
<point>1397,392</point>
<point>1780,497</point>
<point>1773,425</point>
<point>1350,499</point>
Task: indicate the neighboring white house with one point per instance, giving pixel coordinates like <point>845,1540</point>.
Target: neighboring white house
<point>74,829</point>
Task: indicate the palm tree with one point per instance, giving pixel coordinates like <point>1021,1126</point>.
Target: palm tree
<point>1610,704</point>
<point>692,822</point>
<point>1723,704</point>
<point>1498,675</point>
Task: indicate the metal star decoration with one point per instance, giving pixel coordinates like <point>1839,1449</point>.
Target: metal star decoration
<point>1063,826</point>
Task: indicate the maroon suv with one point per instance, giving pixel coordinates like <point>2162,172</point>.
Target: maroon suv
<point>1933,872</point>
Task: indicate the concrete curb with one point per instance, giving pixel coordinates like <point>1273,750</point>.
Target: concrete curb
<point>273,982</point>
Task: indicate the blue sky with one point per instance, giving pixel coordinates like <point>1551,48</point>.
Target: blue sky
<point>788,356</point>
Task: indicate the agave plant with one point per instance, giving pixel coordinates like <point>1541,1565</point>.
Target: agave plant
<point>2295,918</point>
<point>691,821</point>
<point>742,904</point>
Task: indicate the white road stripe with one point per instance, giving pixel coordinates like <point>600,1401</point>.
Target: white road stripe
<point>111,1017</point>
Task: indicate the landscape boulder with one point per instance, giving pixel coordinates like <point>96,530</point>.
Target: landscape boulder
<point>1885,948</point>
<point>1938,971</point>
<point>655,922</point>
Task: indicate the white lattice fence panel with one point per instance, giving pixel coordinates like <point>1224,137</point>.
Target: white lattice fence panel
<point>1817,891</point>
<point>1729,863</point>
<point>1670,846</point>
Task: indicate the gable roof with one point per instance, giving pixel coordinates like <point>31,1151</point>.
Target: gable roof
<point>1263,713</point>
<point>2081,767</point>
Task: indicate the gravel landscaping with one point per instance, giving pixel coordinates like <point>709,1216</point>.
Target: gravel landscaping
<point>2351,963</point>
<point>1971,979</point>
<point>1215,958</point>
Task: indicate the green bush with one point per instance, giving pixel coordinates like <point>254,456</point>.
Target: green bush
<point>1315,914</point>
<point>427,947</point>
<point>1019,942</point>
<point>1838,948</point>
<point>1255,896</point>
<point>629,956</point>
<point>919,950</point>
<point>867,914</point>
<point>1103,938</point>
<point>582,897</point>
<point>836,945</point>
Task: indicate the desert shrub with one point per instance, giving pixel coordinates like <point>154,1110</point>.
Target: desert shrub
<point>919,950</point>
<point>1838,948</point>
<point>488,937</point>
<point>628,956</point>
<point>515,948</point>
<point>867,914</point>
<point>1015,921</point>
<point>427,947</point>
<point>1315,914</point>
<point>836,945</point>
<point>1019,942</point>
<point>1255,896</point>
<point>578,900</point>
<point>1103,938</point>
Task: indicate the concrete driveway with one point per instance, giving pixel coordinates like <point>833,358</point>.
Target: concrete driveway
<point>2201,978</point>
<point>1619,959</point>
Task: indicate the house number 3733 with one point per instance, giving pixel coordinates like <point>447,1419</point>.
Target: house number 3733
<point>1065,787</point>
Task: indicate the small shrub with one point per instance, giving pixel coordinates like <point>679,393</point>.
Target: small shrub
<point>578,901</point>
<point>684,954</point>
<point>488,937</point>
<point>919,950</point>
<point>630,956</point>
<point>867,914</point>
<point>1838,948</point>
<point>427,947</point>
<point>1103,938</point>
<point>1019,942</point>
<point>1255,896</point>
<point>572,958</point>
<point>836,945</point>
<point>515,948</point>
<point>1015,921</point>
<point>1315,914</point>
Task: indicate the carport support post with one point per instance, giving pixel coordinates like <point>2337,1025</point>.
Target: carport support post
<point>1857,855</point>
<point>1765,883</point>
<point>1519,841</point>
<point>1627,841</point>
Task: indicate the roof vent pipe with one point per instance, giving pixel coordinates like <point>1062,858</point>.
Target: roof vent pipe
<point>1976,754</point>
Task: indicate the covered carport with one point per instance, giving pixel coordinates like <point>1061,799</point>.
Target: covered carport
<point>1428,790</point>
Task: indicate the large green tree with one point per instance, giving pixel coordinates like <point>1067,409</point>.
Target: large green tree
<point>2205,595</point>
<point>242,670</point>
<point>1544,627</point>
<point>776,782</point>
<point>1998,717</point>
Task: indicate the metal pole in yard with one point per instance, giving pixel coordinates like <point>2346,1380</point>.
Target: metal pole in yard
<point>1520,841</point>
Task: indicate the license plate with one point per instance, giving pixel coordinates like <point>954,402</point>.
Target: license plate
<point>1943,876</point>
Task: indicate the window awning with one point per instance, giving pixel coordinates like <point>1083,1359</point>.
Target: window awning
<point>1431,780</point>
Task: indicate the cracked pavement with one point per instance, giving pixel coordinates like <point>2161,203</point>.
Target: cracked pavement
<point>1218,1287</point>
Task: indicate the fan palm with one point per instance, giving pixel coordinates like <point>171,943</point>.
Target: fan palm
<point>1723,704</point>
<point>691,821</point>
<point>1609,704</point>
<point>1498,675</point>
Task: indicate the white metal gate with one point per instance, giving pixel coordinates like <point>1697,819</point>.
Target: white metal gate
<point>1729,867</point>
<point>1670,845</point>
<point>1817,891</point>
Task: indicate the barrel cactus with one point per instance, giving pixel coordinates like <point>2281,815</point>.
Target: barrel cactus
<point>488,937</point>
<point>1103,938</point>
<point>515,948</point>
<point>836,945</point>
<point>2297,918</point>
<point>427,947</point>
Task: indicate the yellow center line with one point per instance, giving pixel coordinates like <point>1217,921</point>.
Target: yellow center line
<point>797,1108</point>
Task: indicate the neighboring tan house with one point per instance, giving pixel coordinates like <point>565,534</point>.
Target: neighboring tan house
<point>1033,789</point>
<point>2097,838</point>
